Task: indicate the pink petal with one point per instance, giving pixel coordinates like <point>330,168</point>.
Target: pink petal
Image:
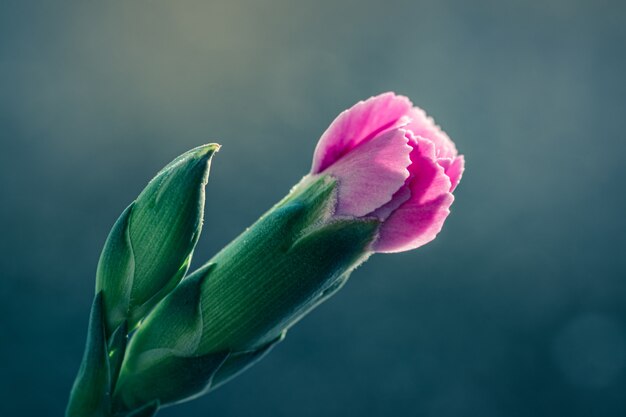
<point>455,171</point>
<point>444,163</point>
<point>423,125</point>
<point>371,173</point>
<point>360,123</point>
<point>418,221</point>
<point>399,198</point>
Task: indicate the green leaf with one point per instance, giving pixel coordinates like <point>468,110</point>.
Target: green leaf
<point>317,196</point>
<point>174,327</point>
<point>116,350</point>
<point>238,362</point>
<point>90,395</point>
<point>115,272</point>
<point>165,365</point>
<point>147,410</point>
<point>150,246</point>
<point>169,379</point>
<point>261,285</point>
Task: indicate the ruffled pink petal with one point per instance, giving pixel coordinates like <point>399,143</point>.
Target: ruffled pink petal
<point>455,171</point>
<point>417,221</point>
<point>423,125</point>
<point>444,163</point>
<point>370,174</point>
<point>360,123</point>
<point>399,198</point>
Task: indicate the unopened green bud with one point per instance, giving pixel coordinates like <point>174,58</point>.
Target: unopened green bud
<point>150,246</point>
<point>224,317</point>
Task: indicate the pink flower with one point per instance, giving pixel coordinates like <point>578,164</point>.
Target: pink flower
<point>392,162</point>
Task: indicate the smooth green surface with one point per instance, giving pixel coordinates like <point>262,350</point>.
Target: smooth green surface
<point>169,379</point>
<point>238,362</point>
<point>116,269</point>
<point>227,315</point>
<point>150,246</point>
<point>259,290</point>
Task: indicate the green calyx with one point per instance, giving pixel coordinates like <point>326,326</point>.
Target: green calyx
<point>150,246</point>
<point>224,317</point>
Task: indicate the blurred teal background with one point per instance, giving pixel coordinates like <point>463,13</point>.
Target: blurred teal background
<point>517,309</point>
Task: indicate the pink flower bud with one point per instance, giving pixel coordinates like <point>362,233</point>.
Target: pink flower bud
<point>392,162</point>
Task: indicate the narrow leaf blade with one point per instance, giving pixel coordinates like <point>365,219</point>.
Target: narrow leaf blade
<point>90,395</point>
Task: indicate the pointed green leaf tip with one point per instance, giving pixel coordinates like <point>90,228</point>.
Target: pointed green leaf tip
<point>149,248</point>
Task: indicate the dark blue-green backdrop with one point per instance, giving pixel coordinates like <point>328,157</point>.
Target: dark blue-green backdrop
<point>517,309</point>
